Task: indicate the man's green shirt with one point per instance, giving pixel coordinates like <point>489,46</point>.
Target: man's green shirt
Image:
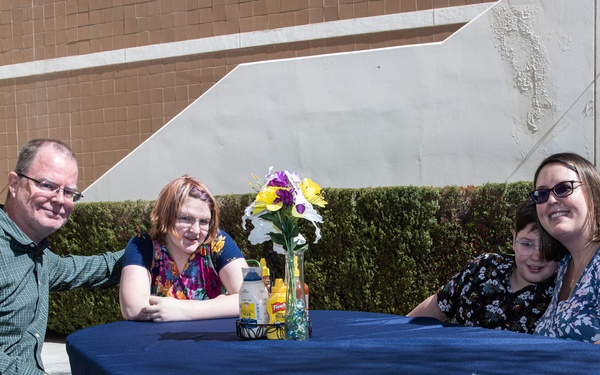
<point>28,272</point>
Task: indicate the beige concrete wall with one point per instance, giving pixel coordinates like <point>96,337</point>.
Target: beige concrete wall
<point>485,105</point>
<point>105,109</point>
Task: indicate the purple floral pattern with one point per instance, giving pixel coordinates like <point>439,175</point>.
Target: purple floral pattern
<point>578,317</point>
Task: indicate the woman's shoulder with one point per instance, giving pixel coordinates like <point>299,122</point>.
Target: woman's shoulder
<point>223,241</point>
<point>139,240</point>
<point>138,250</point>
<point>224,234</point>
<point>225,238</point>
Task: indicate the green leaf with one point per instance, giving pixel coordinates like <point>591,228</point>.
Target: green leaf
<point>289,228</point>
<point>278,238</point>
<point>271,216</point>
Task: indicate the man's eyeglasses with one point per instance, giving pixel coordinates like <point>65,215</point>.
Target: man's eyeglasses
<point>188,222</point>
<point>54,188</point>
<point>560,190</point>
<point>525,248</point>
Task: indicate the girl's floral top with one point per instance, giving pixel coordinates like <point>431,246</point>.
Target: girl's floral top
<point>578,317</point>
<point>480,295</point>
<point>198,280</point>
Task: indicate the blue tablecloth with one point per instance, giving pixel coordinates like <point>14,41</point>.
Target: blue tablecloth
<point>342,342</point>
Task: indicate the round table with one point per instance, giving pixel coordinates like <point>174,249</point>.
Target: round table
<point>342,342</point>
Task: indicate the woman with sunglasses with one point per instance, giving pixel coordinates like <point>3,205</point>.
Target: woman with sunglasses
<point>500,291</point>
<point>567,197</point>
<point>186,268</point>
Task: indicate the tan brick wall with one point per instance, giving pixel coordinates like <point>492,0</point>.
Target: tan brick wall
<point>104,113</point>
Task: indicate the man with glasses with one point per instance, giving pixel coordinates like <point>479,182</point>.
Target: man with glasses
<point>42,191</point>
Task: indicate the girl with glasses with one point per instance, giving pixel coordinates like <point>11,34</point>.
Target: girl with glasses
<point>186,267</point>
<point>500,291</point>
<point>567,197</point>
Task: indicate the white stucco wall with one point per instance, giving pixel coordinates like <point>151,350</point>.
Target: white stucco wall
<point>487,105</point>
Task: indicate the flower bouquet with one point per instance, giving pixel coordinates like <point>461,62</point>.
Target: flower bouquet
<point>281,201</point>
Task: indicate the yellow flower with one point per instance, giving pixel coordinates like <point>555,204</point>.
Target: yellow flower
<point>312,192</point>
<point>284,198</point>
<point>264,200</point>
<point>217,244</point>
<point>165,290</point>
<point>168,289</point>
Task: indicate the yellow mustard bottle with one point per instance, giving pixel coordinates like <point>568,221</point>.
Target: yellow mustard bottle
<point>266,274</point>
<point>276,310</point>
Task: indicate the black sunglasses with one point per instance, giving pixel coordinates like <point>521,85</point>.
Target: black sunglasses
<point>560,190</point>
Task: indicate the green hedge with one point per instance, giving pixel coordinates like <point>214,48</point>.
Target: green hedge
<point>382,249</point>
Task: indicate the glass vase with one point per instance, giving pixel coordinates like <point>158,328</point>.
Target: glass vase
<point>296,314</point>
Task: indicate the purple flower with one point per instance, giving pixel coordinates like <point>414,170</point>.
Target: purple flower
<point>280,180</point>
<point>286,196</point>
<point>300,208</point>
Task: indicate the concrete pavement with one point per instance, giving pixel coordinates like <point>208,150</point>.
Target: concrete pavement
<point>56,360</point>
